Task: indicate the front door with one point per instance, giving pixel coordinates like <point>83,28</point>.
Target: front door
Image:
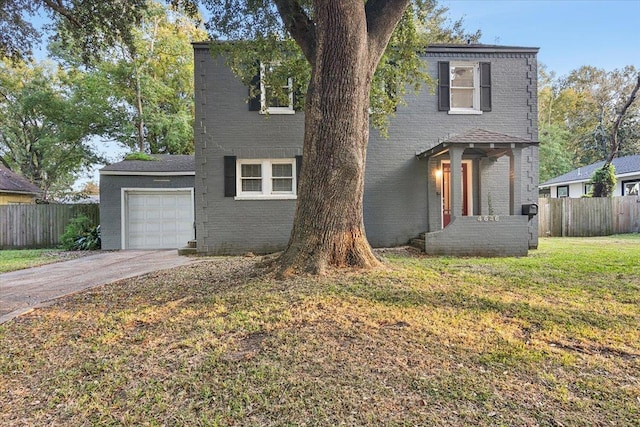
<point>446,192</point>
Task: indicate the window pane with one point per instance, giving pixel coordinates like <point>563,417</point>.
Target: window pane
<point>282,170</point>
<point>276,87</point>
<point>461,98</point>
<point>631,188</point>
<point>252,185</point>
<point>563,191</point>
<point>251,171</point>
<point>283,185</point>
<point>462,77</point>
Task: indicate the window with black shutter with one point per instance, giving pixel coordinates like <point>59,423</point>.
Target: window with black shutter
<point>464,87</point>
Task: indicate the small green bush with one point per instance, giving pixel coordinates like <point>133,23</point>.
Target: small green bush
<point>140,156</point>
<point>604,181</point>
<point>81,235</point>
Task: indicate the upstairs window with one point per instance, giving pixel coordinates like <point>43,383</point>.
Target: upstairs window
<point>272,92</point>
<point>464,87</point>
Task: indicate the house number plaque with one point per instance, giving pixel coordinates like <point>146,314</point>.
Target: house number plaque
<point>488,218</point>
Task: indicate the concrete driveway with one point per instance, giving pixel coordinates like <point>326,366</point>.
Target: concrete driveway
<point>22,290</point>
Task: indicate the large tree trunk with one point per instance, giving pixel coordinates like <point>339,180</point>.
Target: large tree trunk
<point>328,228</point>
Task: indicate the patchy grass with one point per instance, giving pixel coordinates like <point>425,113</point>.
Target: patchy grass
<point>11,260</point>
<point>549,340</point>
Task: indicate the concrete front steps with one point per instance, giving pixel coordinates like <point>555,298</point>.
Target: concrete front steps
<point>188,250</point>
<point>418,242</point>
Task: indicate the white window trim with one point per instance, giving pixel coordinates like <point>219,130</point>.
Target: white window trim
<point>476,89</point>
<point>267,182</point>
<point>264,108</point>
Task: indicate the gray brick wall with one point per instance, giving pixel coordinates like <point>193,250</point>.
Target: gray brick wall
<point>111,201</point>
<point>224,126</point>
<point>400,200</point>
<point>490,237</point>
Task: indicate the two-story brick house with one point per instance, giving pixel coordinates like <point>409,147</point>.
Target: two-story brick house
<point>460,164</point>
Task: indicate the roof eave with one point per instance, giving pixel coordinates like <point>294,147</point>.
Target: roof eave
<point>146,173</point>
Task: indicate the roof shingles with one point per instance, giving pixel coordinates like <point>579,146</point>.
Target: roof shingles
<point>10,182</point>
<point>165,163</point>
<point>622,165</point>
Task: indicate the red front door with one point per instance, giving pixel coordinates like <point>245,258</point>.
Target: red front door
<point>446,193</point>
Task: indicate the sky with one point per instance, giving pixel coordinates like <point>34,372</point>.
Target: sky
<point>569,33</point>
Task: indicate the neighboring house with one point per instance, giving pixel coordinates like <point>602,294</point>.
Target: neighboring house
<point>460,164</point>
<point>147,204</point>
<point>87,199</point>
<point>15,189</point>
<point>577,182</point>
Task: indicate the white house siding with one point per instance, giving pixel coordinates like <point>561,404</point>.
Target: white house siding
<point>577,189</point>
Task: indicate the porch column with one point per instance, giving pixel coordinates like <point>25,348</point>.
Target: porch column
<point>515,180</point>
<point>455,156</point>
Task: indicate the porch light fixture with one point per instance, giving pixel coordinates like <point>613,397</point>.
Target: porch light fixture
<point>438,175</point>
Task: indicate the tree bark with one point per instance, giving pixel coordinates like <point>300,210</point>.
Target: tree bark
<point>328,229</point>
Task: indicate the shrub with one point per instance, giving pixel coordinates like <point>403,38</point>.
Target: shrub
<point>81,235</point>
<point>140,156</point>
<point>604,181</point>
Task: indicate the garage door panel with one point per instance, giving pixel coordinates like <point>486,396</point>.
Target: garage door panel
<point>159,220</point>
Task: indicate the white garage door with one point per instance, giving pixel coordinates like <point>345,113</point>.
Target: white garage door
<point>158,219</point>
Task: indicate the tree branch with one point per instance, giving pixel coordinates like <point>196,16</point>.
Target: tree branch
<point>382,18</point>
<point>59,8</point>
<point>299,25</point>
<point>618,122</point>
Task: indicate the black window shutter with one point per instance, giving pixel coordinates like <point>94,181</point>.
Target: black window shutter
<point>443,86</point>
<point>298,169</point>
<point>254,99</point>
<point>229,176</point>
<point>485,86</point>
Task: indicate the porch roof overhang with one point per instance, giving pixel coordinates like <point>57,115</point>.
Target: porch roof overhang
<point>490,144</point>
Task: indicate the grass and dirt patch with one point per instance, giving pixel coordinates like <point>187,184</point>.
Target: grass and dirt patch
<point>552,339</point>
<point>11,260</point>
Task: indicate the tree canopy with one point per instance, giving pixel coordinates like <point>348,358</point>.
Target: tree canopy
<point>124,73</point>
<point>148,81</point>
<point>46,124</point>
<point>578,115</point>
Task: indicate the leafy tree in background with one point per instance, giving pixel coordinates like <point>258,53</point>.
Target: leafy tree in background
<point>376,62</point>
<point>555,160</point>
<point>148,81</point>
<point>45,125</point>
<point>89,24</point>
<point>581,113</point>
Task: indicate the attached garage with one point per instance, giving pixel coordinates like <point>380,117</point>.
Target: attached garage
<point>148,204</point>
<point>159,219</point>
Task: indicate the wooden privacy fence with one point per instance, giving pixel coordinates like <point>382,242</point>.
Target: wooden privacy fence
<point>586,217</point>
<point>39,226</point>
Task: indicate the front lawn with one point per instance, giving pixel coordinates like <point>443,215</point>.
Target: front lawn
<point>11,260</point>
<point>552,339</point>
